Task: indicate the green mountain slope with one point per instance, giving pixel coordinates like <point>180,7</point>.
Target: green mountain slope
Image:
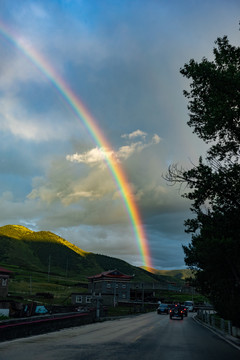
<point>46,252</point>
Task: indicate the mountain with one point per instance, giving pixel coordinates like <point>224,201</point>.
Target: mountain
<point>44,251</point>
<point>181,274</point>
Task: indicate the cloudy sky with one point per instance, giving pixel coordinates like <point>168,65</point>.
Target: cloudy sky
<point>121,58</point>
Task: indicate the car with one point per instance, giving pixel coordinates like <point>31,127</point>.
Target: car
<point>185,310</point>
<point>176,312</point>
<point>163,309</point>
<point>189,305</point>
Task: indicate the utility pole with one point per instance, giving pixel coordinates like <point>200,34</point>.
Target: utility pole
<point>142,296</point>
<point>30,284</point>
<point>67,268</point>
<point>49,266</point>
<point>114,294</point>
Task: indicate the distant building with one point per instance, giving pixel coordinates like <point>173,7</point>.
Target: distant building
<point>81,299</point>
<point>4,279</point>
<point>112,286</point>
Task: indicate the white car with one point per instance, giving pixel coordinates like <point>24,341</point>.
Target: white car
<point>189,305</point>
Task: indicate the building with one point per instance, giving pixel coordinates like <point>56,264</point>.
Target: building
<point>4,279</point>
<point>112,286</point>
<point>81,299</point>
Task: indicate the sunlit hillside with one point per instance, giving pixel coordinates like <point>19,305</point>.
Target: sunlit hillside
<point>179,274</point>
<point>22,233</point>
<point>46,252</point>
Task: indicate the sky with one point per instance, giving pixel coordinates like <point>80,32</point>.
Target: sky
<point>121,59</point>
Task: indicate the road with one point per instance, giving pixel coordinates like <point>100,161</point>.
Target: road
<point>147,336</point>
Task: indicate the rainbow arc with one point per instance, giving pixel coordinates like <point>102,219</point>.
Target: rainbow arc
<point>95,132</point>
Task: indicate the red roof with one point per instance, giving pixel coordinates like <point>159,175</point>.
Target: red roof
<point>2,270</point>
<point>112,274</point>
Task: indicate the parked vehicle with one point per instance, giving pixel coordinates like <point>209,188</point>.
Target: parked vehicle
<point>176,312</point>
<point>189,305</point>
<point>163,309</point>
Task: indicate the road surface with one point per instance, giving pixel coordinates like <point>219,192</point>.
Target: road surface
<point>147,336</point>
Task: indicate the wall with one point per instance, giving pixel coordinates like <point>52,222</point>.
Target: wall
<point>12,329</point>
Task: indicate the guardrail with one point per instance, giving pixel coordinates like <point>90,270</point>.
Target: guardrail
<point>209,317</point>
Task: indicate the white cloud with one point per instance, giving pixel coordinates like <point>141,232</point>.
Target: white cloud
<point>125,152</point>
<point>17,69</point>
<point>98,156</point>
<point>33,126</point>
<point>91,157</point>
<point>134,134</point>
<point>21,128</point>
<point>156,139</point>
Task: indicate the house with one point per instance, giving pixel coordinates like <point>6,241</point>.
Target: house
<point>81,299</point>
<point>112,286</point>
<point>4,279</point>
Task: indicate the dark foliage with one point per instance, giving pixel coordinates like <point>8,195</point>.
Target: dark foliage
<point>214,184</point>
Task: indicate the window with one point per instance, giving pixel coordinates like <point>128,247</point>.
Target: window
<point>88,299</point>
<point>79,299</point>
<point>4,282</point>
<point>124,286</point>
<point>116,286</point>
<point>108,285</point>
<point>124,295</point>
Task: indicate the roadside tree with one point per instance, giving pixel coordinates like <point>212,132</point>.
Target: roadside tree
<point>214,183</point>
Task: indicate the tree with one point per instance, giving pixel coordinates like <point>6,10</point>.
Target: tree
<point>214,184</point>
<point>215,98</point>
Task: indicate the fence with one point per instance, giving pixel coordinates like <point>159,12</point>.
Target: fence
<point>209,317</point>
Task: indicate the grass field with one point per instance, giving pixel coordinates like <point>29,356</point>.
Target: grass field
<point>24,285</point>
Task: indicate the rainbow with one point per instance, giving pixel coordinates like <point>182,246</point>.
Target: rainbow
<point>84,115</point>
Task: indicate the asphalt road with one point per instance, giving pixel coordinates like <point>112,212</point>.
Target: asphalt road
<point>148,336</point>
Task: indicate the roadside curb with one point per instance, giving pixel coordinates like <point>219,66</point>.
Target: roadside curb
<point>228,338</point>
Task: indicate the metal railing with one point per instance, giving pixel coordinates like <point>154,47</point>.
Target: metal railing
<point>211,319</point>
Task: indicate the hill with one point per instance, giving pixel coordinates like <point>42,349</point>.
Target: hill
<point>181,274</point>
<point>46,252</point>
